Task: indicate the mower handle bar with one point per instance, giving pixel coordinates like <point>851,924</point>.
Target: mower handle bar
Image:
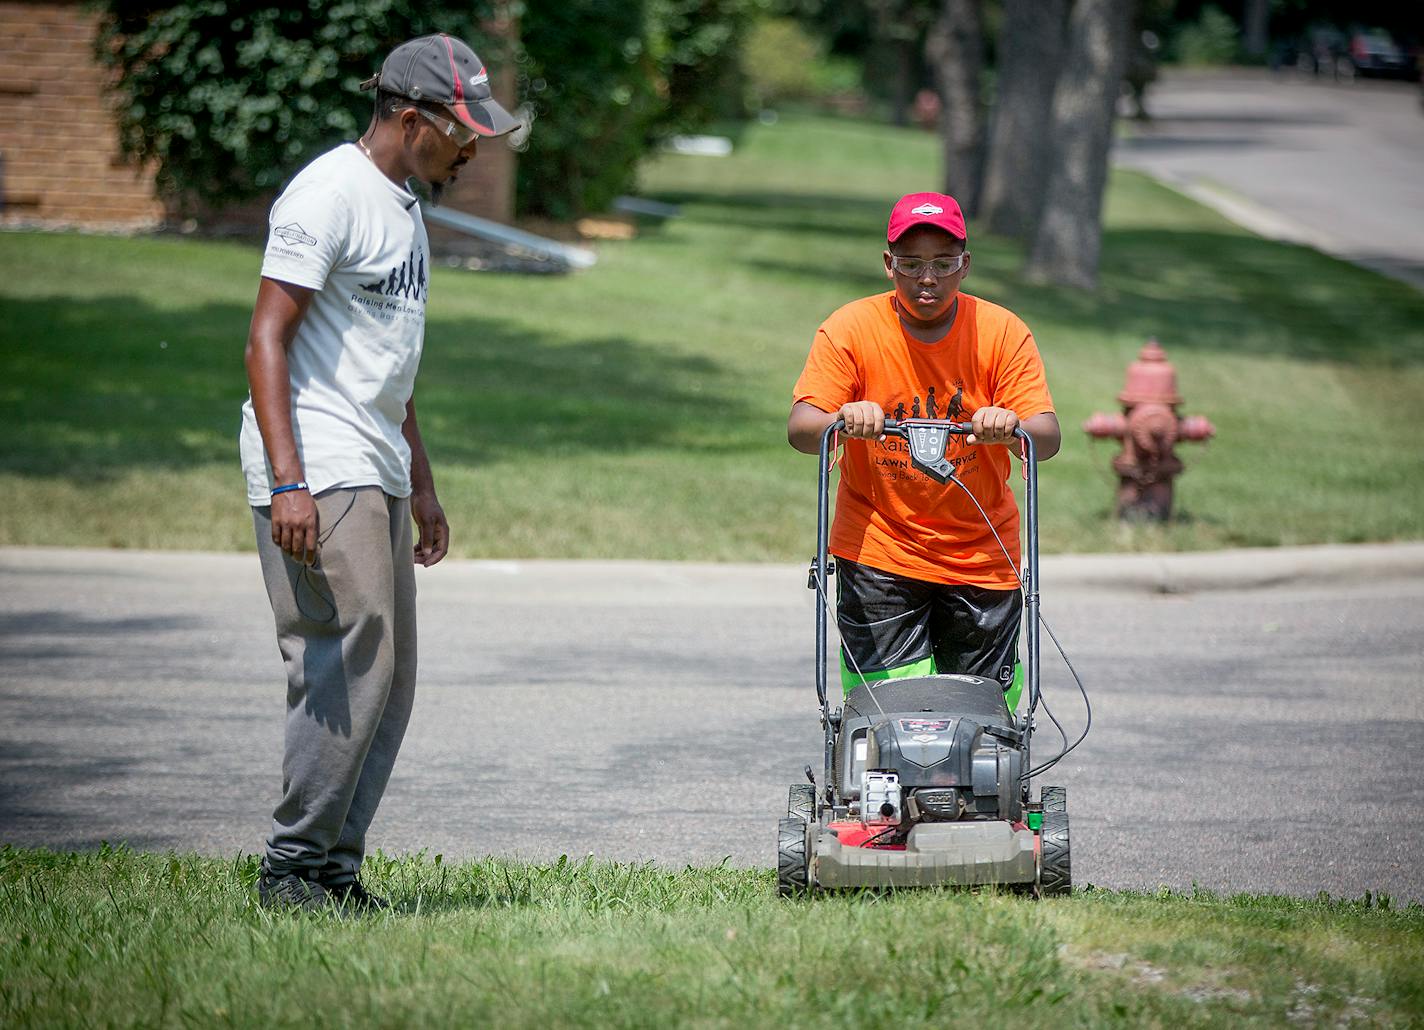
<point>1028,574</point>
<point>902,428</point>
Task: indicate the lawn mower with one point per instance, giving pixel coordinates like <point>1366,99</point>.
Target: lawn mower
<point>926,778</point>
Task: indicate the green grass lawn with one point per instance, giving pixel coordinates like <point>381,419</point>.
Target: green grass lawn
<point>638,409</point>
<point>116,938</point>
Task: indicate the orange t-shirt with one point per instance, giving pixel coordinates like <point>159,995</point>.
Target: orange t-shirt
<point>889,515</point>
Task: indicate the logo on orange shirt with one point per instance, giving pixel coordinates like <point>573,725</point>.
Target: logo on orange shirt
<point>953,411</point>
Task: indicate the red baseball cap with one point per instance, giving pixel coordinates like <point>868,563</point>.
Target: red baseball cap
<point>937,209</point>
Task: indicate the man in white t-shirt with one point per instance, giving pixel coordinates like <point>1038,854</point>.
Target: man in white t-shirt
<point>335,467</point>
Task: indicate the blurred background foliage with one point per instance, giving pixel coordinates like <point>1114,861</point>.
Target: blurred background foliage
<point>229,97</point>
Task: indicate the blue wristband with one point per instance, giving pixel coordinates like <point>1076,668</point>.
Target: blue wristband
<point>289,487</point>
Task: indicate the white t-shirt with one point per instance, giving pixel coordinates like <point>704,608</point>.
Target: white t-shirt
<point>345,230</point>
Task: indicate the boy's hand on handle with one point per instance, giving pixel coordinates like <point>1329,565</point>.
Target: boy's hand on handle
<point>864,420</point>
<point>993,425</point>
<point>295,526</point>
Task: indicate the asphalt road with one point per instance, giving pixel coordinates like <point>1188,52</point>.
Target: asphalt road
<point>1259,727</point>
<point>1332,165</point>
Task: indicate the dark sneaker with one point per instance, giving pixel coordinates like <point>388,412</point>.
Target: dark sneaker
<point>292,891</point>
<point>356,897</point>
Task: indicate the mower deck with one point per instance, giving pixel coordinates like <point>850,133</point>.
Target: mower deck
<point>960,854</point>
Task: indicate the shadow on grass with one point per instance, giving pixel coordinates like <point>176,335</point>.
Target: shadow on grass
<point>489,390</point>
<point>1233,293</point>
<point>1248,295</point>
<point>95,388</point>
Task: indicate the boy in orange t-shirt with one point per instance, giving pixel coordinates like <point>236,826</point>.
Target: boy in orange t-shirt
<point>923,586</point>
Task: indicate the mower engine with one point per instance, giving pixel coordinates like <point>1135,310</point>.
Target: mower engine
<point>900,768</point>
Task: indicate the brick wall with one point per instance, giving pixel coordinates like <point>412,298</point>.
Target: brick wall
<point>59,145</point>
<point>57,136</point>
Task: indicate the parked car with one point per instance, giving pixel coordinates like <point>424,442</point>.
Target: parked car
<point>1374,52</point>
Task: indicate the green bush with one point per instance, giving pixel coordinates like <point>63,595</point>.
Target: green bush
<point>698,45</point>
<point>228,98</point>
<point>783,62</point>
<point>1213,39</point>
<point>591,84</point>
<point>605,78</point>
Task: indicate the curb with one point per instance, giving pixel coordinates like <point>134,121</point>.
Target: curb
<point>1244,569</point>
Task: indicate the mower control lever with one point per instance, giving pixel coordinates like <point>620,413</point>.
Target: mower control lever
<point>929,442</point>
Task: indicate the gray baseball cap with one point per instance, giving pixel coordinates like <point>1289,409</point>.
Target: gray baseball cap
<point>441,69</point>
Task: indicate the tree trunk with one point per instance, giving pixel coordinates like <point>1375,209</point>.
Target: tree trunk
<point>896,28</point>
<point>1258,14</point>
<point>907,72</point>
<point>1016,163</point>
<point>1067,239</point>
<point>954,49</point>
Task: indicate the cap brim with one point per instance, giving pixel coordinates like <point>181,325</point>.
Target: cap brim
<point>916,223</point>
<point>486,117</point>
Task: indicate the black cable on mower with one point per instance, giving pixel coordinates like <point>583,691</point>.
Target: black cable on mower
<point>1033,702</point>
<point>1063,748</point>
<point>1086,704</point>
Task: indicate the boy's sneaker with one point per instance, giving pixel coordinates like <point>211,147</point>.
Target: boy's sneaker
<point>356,897</point>
<point>291,891</point>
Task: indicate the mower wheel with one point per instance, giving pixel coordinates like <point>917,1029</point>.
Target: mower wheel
<point>801,803</point>
<point>1056,871</point>
<point>790,857</point>
<point>1055,799</point>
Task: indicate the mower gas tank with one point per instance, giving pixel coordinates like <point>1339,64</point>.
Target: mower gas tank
<point>932,697</point>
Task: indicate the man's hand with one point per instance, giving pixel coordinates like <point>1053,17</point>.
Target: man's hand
<point>434,531</point>
<point>993,425</point>
<point>296,525</point>
<point>864,420</point>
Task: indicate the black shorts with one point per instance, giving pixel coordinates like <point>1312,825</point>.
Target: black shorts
<point>889,621</point>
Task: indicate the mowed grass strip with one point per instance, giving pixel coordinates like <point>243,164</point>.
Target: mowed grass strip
<point>637,410</point>
<point>118,938</point>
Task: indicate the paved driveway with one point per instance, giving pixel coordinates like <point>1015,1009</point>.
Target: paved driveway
<point>1336,166</point>
<point>1258,729</point>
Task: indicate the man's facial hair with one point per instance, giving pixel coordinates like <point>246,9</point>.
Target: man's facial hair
<point>437,190</point>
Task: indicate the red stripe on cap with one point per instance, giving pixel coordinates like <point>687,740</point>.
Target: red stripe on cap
<point>461,110</point>
<point>454,72</point>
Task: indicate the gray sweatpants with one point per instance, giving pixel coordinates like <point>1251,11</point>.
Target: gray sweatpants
<point>346,630</point>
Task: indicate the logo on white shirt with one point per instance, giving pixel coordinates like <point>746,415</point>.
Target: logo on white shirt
<point>294,233</point>
<point>928,209</point>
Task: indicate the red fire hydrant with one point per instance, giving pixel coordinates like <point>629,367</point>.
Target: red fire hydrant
<point>1149,429</point>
